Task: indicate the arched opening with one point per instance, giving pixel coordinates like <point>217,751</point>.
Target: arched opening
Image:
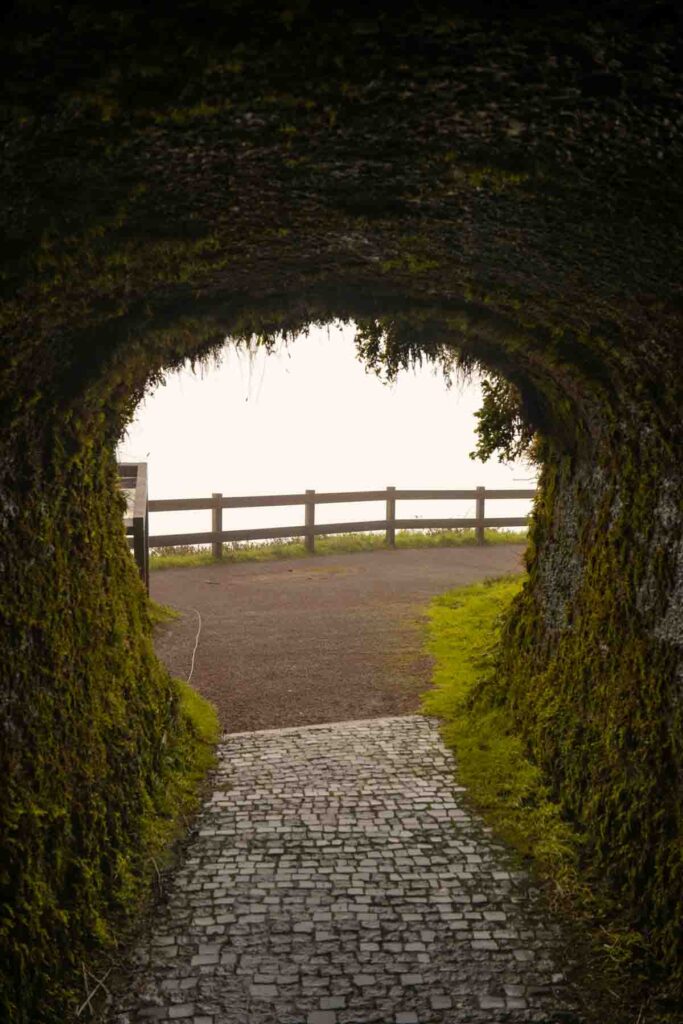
<point>569,673</point>
<point>255,423</point>
<point>513,204</point>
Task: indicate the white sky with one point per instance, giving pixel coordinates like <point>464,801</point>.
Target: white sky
<point>310,416</point>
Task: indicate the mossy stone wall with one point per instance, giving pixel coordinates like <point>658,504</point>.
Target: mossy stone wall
<point>590,668</point>
<point>501,186</point>
<point>89,727</point>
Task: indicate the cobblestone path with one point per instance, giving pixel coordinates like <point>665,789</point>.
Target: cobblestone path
<point>335,877</point>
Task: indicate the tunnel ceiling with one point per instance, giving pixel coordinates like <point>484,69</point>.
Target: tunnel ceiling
<point>157,169</point>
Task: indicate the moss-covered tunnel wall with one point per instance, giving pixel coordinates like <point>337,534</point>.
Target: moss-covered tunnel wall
<point>501,186</point>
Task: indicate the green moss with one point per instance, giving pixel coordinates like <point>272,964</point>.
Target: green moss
<point>188,763</point>
<point>495,178</point>
<point>109,752</point>
<point>409,262</point>
<point>590,683</point>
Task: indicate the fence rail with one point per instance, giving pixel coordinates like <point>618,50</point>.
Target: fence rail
<point>309,529</point>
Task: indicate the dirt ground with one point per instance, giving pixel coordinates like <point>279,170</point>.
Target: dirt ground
<point>320,639</point>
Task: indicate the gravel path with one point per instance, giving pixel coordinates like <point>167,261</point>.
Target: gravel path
<point>315,639</point>
<point>336,877</point>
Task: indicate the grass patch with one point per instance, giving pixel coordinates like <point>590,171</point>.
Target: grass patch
<point>166,821</point>
<point>505,786</point>
<point>512,795</point>
<point>192,756</point>
<point>337,544</point>
<point>161,612</point>
<point>175,801</point>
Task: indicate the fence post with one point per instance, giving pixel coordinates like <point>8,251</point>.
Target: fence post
<point>309,522</point>
<point>146,576</point>
<point>217,525</point>
<point>139,544</point>
<point>391,517</point>
<point>480,514</point>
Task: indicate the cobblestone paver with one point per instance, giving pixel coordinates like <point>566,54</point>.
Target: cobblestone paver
<point>336,878</point>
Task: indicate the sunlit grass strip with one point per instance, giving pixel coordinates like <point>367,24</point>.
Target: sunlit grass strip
<point>338,544</point>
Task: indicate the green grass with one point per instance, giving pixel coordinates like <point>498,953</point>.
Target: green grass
<point>166,820</point>
<point>509,790</point>
<point>202,735</point>
<point>338,544</point>
<point>188,763</point>
<point>161,612</point>
<point>504,785</point>
<point>176,800</point>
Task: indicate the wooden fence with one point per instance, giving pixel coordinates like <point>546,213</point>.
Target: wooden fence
<point>309,529</point>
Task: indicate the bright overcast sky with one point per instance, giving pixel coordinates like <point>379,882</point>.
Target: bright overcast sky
<point>309,416</point>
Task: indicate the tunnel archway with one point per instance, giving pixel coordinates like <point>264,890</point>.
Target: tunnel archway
<point>505,189</point>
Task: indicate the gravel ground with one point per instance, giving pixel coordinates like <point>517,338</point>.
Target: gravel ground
<point>320,639</point>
